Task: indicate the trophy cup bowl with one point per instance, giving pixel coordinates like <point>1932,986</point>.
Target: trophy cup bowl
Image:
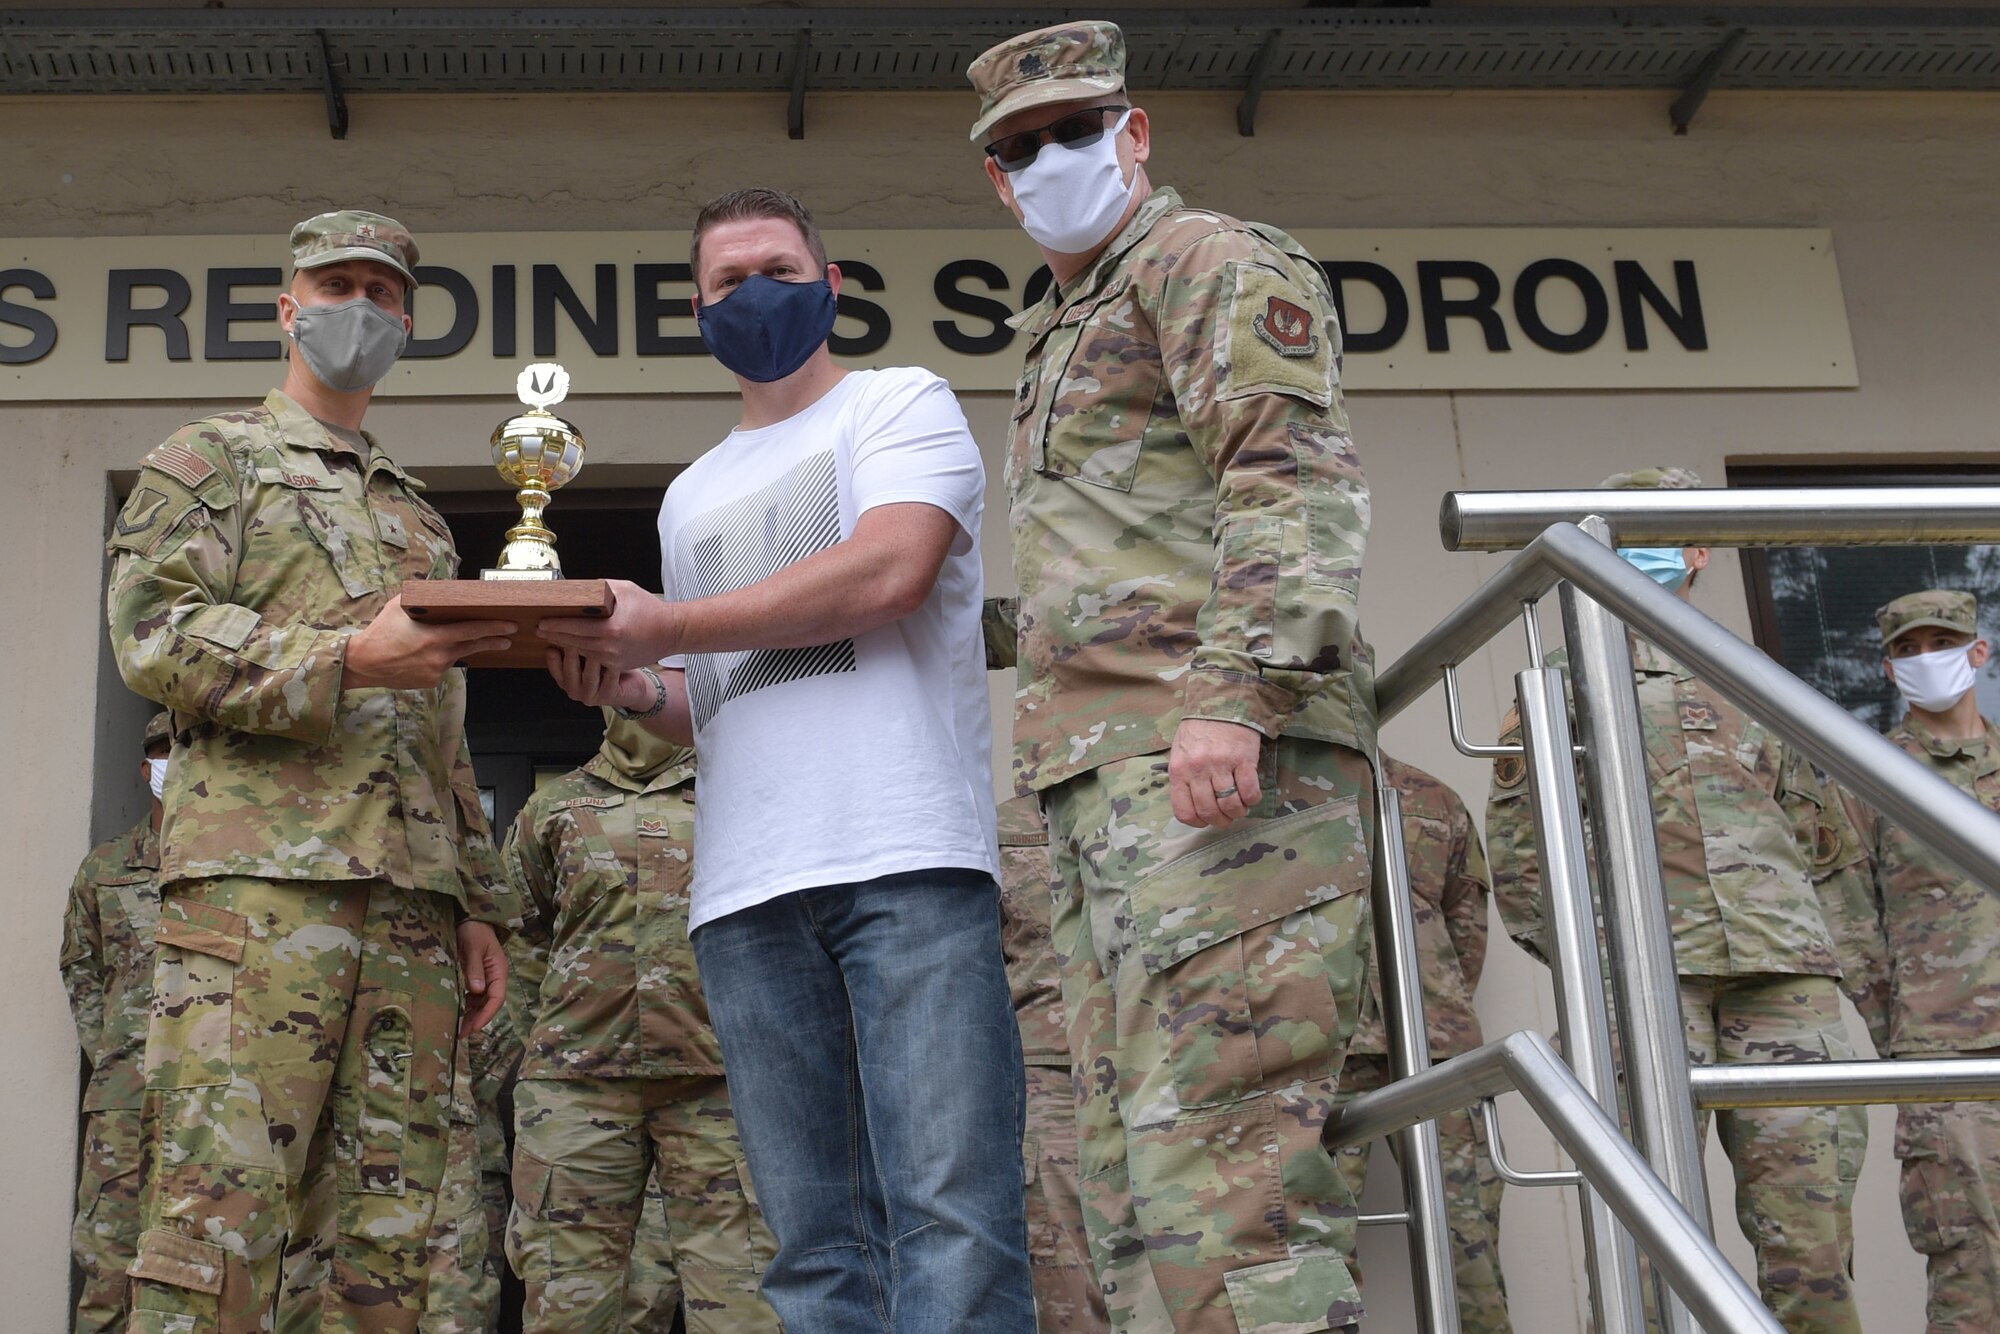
<point>537,453</point>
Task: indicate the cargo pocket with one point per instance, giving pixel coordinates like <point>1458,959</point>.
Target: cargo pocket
<point>176,1284</point>
<point>763,1244</point>
<point>385,1102</point>
<point>188,1044</point>
<point>1249,998</point>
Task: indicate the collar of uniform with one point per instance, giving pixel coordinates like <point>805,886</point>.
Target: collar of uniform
<point>1944,748</point>
<point>143,853</point>
<point>299,429</point>
<point>1037,318</point>
<point>1647,657</point>
<point>672,776</point>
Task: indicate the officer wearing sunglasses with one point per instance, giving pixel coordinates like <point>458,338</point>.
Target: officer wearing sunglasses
<point>1195,707</point>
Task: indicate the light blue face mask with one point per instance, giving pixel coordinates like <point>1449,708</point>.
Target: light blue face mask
<point>1665,566</point>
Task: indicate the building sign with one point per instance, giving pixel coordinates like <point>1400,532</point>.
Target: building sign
<point>194,317</point>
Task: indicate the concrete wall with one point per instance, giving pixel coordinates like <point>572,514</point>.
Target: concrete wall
<point>1907,183</point>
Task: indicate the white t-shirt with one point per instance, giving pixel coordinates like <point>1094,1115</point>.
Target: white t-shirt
<point>841,763</point>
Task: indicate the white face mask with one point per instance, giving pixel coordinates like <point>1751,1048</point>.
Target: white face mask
<point>1934,681</point>
<point>1072,198</point>
<point>156,777</point>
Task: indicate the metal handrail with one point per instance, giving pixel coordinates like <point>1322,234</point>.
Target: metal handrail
<point>1604,600</point>
<point>1496,1153</point>
<point>1880,773</point>
<point>1678,1246</point>
<point>1851,516</point>
<point>1847,1083</point>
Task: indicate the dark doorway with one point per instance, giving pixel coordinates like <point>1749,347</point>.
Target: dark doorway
<point>521,728</point>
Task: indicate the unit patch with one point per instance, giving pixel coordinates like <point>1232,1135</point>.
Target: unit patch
<point>1288,328</point>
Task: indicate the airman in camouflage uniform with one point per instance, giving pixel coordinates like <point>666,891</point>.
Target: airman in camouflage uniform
<point>1067,1298</point>
<point>324,865</point>
<point>1449,893</point>
<point>107,968</point>
<point>467,1252</point>
<point>622,1078</point>
<point>1194,707</point>
<point>1736,812</point>
<point>1916,937</point>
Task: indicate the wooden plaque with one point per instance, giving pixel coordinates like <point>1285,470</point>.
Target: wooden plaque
<point>522,601</point>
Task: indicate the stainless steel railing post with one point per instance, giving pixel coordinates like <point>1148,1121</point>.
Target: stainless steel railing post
<point>1611,1257</point>
<point>1410,1054</point>
<point>1644,978</point>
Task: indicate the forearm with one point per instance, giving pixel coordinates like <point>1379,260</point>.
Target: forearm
<point>851,588</point>
<point>224,662</point>
<point>86,1004</point>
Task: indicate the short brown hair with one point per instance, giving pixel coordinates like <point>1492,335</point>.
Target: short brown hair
<point>755,202</point>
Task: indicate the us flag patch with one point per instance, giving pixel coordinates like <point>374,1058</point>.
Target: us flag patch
<point>182,464</point>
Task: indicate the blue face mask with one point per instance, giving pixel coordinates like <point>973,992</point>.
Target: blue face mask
<point>766,329</point>
<point>1665,566</point>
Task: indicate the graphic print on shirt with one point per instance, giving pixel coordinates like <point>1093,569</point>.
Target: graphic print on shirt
<point>742,542</point>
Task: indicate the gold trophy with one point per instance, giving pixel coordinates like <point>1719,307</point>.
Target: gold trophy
<point>537,452</point>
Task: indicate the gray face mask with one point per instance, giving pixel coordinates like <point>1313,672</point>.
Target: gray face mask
<point>350,346</point>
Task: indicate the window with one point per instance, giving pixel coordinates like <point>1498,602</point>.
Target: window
<point>1813,608</point>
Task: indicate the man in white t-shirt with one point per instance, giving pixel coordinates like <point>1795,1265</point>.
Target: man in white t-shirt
<point>820,645</point>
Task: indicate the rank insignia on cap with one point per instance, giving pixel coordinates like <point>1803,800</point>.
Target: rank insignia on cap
<point>1031,65</point>
<point>1288,328</point>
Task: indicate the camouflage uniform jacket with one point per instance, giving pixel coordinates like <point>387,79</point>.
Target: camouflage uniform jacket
<point>608,987</point>
<point>253,547</point>
<point>1189,511</point>
<point>1449,894</point>
<point>1032,974</point>
<point>1736,813</point>
<point>1915,933</point>
<point>107,963</point>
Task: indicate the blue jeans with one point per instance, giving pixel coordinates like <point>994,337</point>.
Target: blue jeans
<point>875,1065</point>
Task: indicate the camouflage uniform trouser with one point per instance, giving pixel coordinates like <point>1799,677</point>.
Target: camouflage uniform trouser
<point>1795,1167</point>
<point>1067,1298</point>
<point>1471,1200</point>
<point>298,1084</point>
<point>1212,979</point>
<point>652,1288</point>
<point>1951,1207</point>
<point>105,1235</point>
<point>465,1289</point>
<point>583,1149</point>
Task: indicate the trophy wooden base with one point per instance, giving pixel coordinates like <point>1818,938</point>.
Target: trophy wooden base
<point>523,601</point>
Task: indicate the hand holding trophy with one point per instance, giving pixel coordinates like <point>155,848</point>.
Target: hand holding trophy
<point>538,453</point>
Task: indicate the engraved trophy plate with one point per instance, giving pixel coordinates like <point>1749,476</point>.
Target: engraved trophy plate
<point>538,453</point>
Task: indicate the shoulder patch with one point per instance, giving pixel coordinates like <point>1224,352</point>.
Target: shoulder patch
<point>182,464</point>
<point>1509,771</point>
<point>1288,328</point>
<point>1275,338</point>
<point>141,511</point>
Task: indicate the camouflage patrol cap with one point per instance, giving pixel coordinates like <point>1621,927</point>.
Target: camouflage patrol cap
<point>159,732</point>
<point>1652,479</point>
<point>1948,608</point>
<point>1070,62</point>
<point>353,233</point>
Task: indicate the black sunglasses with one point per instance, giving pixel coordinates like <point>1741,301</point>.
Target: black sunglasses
<point>1079,129</point>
